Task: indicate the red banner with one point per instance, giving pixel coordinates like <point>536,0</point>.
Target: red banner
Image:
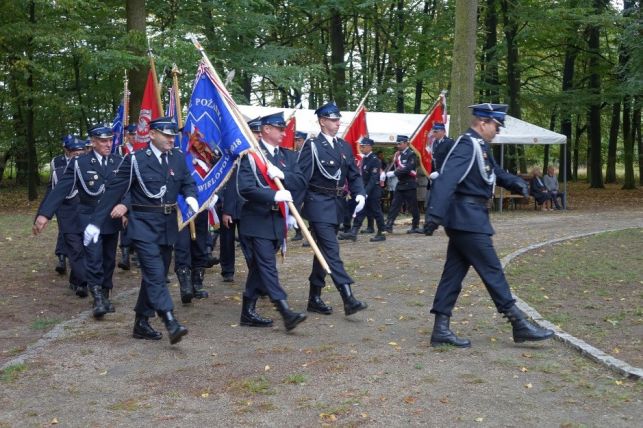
<point>289,139</point>
<point>356,131</point>
<point>422,136</point>
<point>149,111</point>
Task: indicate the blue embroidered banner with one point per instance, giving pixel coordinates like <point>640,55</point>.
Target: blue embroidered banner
<point>117,129</point>
<point>211,139</point>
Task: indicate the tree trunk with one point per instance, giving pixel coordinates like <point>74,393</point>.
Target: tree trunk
<point>398,43</point>
<point>636,122</point>
<point>338,66</point>
<point>565,115</point>
<point>628,144</point>
<point>137,76</point>
<point>610,173</point>
<point>464,64</point>
<point>33,178</point>
<point>421,61</point>
<point>594,86</point>
<point>490,81</point>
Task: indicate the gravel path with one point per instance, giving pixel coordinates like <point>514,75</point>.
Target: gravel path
<point>375,368</point>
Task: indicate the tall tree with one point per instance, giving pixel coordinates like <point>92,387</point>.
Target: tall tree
<point>338,65</point>
<point>463,65</point>
<point>137,75</point>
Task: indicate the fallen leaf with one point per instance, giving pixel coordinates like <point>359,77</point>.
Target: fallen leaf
<point>444,400</point>
<point>523,369</point>
<point>102,373</point>
<point>526,355</point>
<point>265,369</point>
<point>479,419</point>
<point>618,382</point>
<point>205,395</point>
<point>409,399</point>
<point>528,385</point>
<point>330,417</point>
<point>392,343</point>
<point>54,421</point>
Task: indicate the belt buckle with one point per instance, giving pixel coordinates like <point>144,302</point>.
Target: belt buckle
<point>167,209</point>
<point>339,192</point>
<point>274,207</point>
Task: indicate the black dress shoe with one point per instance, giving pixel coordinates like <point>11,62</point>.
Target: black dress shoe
<point>378,238</point>
<point>415,229</point>
<point>368,230</point>
<point>316,304</point>
<point>228,277</point>
<point>143,329</point>
<point>61,266</point>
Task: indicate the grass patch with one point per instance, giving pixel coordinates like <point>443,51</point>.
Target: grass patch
<point>129,405</point>
<point>253,386</point>
<point>296,379</point>
<point>44,323</point>
<point>11,373</point>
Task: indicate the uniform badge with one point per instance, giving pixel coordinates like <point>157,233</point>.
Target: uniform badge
<point>148,152</point>
<point>92,161</point>
<point>96,177</point>
<point>331,163</point>
<point>172,172</point>
<point>484,155</point>
<point>111,160</point>
<point>91,183</point>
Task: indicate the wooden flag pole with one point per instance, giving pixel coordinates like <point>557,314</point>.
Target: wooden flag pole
<point>159,103</point>
<point>249,136</point>
<point>179,121</point>
<point>361,103</point>
<point>125,102</point>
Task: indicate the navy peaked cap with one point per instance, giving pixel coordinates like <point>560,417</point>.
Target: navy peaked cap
<point>103,130</point>
<point>131,129</point>
<point>300,135</point>
<point>496,112</point>
<point>275,119</point>
<point>75,144</point>
<point>402,139</point>
<point>166,125</point>
<point>366,142</point>
<point>255,124</point>
<point>329,110</point>
<point>439,126</point>
<point>66,139</point>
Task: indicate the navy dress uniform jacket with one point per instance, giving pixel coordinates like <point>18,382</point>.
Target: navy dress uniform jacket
<point>405,173</point>
<point>154,227</point>
<point>67,212</point>
<point>371,168</point>
<point>85,174</point>
<point>323,200</point>
<point>260,216</point>
<point>465,174</point>
<point>232,202</point>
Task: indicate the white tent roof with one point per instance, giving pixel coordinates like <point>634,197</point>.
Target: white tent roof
<point>384,127</point>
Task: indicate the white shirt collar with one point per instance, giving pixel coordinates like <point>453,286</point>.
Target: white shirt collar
<point>156,152</point>
<point>331,140</point>
<point>271,149</point>
<point>99,157</point>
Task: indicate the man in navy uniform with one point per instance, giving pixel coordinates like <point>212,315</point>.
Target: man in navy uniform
<point>67,214</point>
<point>458,201</point>
<point>327,163</point>
<point>264,220</point>
<point>439,150</point>
<point>57,168</point>
<point>371,168</point>
<point>300,138</point>
<point>154,177</point>
<point>88,174</point>
<point>405,169</point>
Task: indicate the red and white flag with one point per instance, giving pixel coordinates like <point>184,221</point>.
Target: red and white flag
<point>356,130</point>
<point>149,110</point>
<point>289,139</point>
<point>421,140</point>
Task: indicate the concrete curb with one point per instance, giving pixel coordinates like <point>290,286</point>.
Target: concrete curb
<point>57,331</point>
<point>583,347</point>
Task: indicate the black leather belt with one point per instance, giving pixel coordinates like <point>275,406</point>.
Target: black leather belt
<point>471,199</point>
<point>164,209</point>
<point>330,191</point>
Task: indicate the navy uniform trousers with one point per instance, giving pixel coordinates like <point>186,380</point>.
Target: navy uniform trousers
<point>325,235</point>
<point>400,197</point>
<point>189,253</point>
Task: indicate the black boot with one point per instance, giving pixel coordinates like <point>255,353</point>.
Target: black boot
<point>249,317</point>
<point>351,304</point>
<point>291,318</point>
<point>108,304</point>
<point>378,237</point>
<point>298,236</point>
<point>81,290</point>
<point>351,235</point>
<point>388,227</point>
<point>184,275</point>
<point>369,226</point>
<point>197,283</point>
<point>124,263</point>
<point>415,229</point>
<point>143,329</point>
<point>443,336</point>
<point>61,267</point>
<point>211,259</point>
<point>316,304</point>
<point>175,330</point>
<point>523,329</point>
<point>99,308</point>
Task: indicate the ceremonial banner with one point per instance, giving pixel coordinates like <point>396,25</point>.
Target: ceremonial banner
<point>170,111</point>
<point>289,139</point>
<point>422,139</point>
<point>150,110</point>
<point>117,128</point>
<point>211,139</point>
<point>356,130</point>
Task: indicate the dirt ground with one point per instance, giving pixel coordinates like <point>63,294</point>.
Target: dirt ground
<point>375,368</point>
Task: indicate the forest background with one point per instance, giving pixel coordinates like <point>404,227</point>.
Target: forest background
<point>573,66</point>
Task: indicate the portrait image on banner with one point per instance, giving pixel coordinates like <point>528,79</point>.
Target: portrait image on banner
<point>212,140</point>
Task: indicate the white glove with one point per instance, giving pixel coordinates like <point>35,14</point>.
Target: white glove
<point>382,176</point>
<point>434,175</point>
<point>361,201</point>
<point>213,202</point>
<point>192,203</point>
<point>91,234</point>
<point>273,172</point>
<point>390,174</point>
<point>291,222</point>
<point>283,196</point>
